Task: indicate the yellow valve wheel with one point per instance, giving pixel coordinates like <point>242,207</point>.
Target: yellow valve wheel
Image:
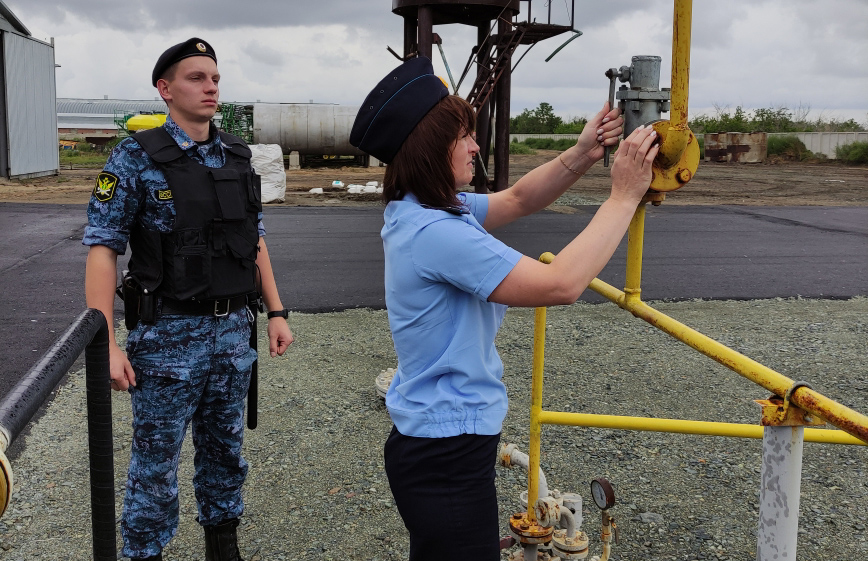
<point>678,159</point>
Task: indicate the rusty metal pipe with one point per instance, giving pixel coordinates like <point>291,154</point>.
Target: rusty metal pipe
<point>510,455</point>
<point>425,19</point>
<point>568,522</point>
<point>501,116</point>
<point>606,536</point>
<point>410,39</point>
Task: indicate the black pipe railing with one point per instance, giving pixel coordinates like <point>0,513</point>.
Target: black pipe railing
<point>88,333</point>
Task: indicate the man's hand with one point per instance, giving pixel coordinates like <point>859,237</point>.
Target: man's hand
<point>120,369</point>
<point>279,336</point>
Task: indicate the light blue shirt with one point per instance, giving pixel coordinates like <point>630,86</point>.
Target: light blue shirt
<point>440,270</point>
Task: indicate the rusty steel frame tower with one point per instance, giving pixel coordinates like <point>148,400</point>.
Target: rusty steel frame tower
<point>490,94</point>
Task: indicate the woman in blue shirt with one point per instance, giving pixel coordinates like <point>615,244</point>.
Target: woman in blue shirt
<point>449,282</point>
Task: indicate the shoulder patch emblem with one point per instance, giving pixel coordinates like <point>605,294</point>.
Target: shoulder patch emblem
<point>164,194</point>
<point>105,186</point>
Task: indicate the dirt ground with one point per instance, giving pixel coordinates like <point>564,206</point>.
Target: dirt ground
<point>769,184</point>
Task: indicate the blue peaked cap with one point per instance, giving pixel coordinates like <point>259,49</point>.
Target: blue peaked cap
<point>394,108</point>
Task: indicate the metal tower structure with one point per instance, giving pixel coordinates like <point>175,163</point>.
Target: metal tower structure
<point>499,33</point>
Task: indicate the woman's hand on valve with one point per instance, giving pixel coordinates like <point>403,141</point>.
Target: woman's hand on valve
<point>631,171</point>
<point>602,130</point>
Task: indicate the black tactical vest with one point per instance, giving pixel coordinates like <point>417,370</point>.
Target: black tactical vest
<point>211,251</point>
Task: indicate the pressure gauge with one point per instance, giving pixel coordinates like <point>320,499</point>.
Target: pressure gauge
<point>603,493</point>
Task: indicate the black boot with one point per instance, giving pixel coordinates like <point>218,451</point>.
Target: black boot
<point>157,557</point>
<point>221,542</point>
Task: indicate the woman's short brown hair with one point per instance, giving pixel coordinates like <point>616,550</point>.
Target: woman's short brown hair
<point>423,164</point>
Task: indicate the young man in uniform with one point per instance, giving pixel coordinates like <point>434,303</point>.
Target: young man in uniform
<point>187,200</point>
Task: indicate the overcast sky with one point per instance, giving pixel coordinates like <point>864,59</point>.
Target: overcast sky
<point>808,54</point>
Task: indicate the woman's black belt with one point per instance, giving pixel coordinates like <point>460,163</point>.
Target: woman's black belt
<point>218,308</point>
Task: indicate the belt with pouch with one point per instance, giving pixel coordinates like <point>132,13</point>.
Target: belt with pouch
<point>217,308</point>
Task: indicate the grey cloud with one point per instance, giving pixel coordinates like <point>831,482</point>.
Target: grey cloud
<point>213,14</point>
<point>221,14</point>
<point>264,54</point>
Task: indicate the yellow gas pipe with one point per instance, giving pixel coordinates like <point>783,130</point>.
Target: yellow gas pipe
<point>678,158</point>
<point>539,343</point>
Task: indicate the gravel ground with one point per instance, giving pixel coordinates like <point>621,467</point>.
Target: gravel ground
<point>317,488</point>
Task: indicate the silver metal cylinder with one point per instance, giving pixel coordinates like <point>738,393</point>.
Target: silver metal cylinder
<point>644,101</point>
<point>307,128</point>
<point>645,73</point>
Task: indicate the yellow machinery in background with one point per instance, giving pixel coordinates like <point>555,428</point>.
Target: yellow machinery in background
<point>144,121</point>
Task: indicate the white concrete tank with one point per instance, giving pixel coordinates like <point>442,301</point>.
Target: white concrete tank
<point>306,128</point>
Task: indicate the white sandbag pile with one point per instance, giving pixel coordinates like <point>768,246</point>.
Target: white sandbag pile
<point>267,160</point>
<point>369,187</point>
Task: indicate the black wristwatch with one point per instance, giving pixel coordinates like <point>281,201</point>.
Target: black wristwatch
<point>284,313</point>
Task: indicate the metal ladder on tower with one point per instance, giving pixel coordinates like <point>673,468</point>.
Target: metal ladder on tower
<point>492,71</point>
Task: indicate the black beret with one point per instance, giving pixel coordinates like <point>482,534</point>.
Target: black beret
<point>394,108</point>
<point>190,47</point>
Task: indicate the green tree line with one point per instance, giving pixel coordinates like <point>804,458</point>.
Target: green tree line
<point>543,120</point>
<point>769,119</point>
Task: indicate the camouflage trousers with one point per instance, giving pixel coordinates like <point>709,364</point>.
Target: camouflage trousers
<point>190,371</point>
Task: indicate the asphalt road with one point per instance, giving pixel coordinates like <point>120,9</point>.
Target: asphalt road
<point>330,259</point>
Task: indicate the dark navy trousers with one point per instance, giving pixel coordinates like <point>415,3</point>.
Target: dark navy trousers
<point>444,489</point>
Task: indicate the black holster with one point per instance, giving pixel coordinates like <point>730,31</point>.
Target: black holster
<point>139,304</point>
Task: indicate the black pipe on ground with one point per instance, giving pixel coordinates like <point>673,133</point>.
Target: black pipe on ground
<point>88,333</point>
<point>100,450</point>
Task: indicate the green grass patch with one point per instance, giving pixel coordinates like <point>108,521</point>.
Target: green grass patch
<point>853,154</point>
<point>520,148</point>
<point>789,147</point>
<point>83,158</point>
<point>87,155</point>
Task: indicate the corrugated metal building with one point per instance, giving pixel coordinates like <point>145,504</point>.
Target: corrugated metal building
<point>28,119</point>
<point>96,117</point>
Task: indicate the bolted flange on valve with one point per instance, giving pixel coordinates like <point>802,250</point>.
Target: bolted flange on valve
<point>570,547</point>
<point>678,159</point>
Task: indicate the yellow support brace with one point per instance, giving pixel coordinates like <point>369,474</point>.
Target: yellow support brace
<point>735,430</point>
<point>814,402</point>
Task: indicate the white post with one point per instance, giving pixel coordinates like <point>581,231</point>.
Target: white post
<point>777,536</point>
<point>294,162</point>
